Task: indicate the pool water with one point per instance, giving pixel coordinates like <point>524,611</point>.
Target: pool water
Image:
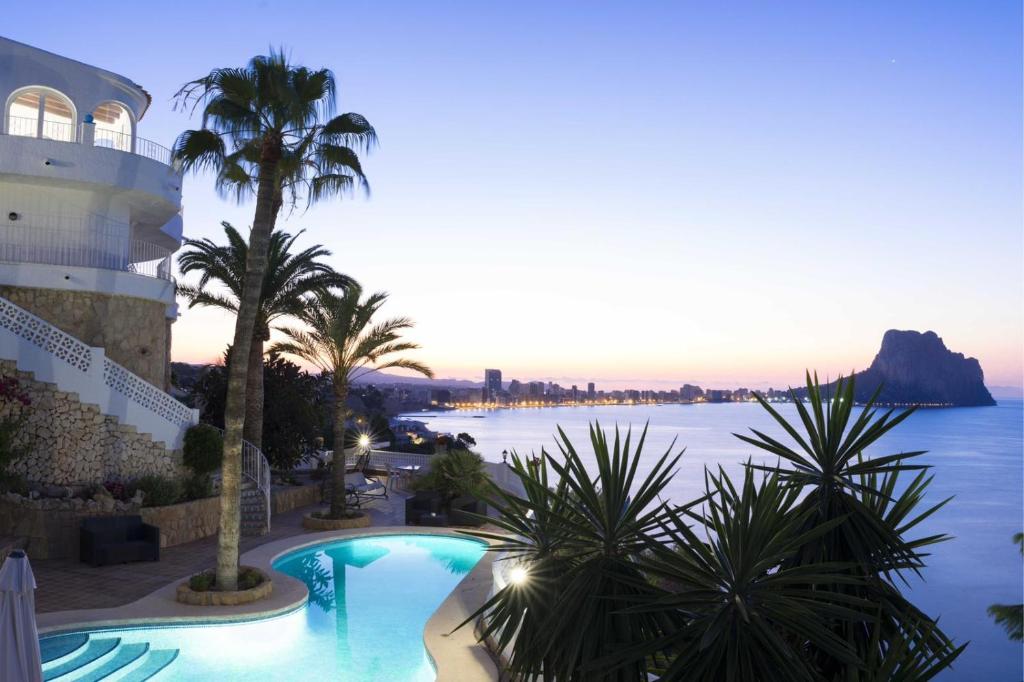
<point>369,600</point>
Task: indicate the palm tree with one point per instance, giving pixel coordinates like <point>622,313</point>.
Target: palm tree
<point>288,279</point>
<point>828,464</point>
<point>275,121</point>
<point>342,339</point>
<point>577,542</point>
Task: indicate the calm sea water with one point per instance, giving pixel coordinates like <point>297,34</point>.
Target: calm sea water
<point>977,458</point>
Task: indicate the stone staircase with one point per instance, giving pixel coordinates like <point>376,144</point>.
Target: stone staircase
<point>254,510</point>
<point>82,657</point>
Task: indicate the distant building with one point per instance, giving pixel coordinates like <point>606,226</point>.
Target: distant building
<point>591,391</point>
<point>515,388</point>
<point>691,392</point>
<point>440,396</point>
<point>492,385</point>
<point>536,389</point>
<point>575,392</point>
<point>718,395</point>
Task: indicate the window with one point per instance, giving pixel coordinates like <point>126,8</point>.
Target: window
<point>113,126</point>
<point>40,112</point>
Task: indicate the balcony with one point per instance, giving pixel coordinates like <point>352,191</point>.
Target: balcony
<point>86,242</point>
<point>86,133</point>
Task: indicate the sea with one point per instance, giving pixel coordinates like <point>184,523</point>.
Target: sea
<point>977,455</point>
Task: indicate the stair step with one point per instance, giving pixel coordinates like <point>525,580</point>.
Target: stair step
<point>96,648</point>
<point>157,660</point>
<point>52,648</point>
<point>125,655</point>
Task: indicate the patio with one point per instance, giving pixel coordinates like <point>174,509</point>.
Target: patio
<point>67,584</point>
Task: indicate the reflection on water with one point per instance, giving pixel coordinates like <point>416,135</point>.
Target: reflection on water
<point>374,596</point>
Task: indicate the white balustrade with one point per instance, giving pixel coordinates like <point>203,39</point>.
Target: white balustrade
<point>63,131</point>
<point>89,242</point>
<point>55,356</point>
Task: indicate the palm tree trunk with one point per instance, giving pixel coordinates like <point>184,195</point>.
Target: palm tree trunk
<point>338,468</point>
<point>229,531</point>
<point>254,394</point>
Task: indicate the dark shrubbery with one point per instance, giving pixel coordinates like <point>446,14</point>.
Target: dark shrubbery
<point>203,449</point>
<point>159,491</point>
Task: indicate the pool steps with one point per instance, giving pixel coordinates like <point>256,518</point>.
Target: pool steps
<point>79,657</point>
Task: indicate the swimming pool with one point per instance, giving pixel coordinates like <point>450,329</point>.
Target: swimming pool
<point>369,599</point>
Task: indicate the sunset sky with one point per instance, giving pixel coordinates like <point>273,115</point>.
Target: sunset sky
<point>635,192</point>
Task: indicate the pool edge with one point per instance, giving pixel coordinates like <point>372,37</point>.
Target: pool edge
<point>452,655</point>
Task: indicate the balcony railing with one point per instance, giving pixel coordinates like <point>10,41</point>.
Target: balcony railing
<point>67,132</point>
<point>82,242</point>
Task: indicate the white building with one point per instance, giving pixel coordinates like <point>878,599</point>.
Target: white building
<point>90,215</point>
<point>87,207</point>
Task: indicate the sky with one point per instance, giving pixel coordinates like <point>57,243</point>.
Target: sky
<point>640,193</point>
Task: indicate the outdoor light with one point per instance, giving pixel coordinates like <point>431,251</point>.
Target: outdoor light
<point>364,441</point>
<point>518,575</point>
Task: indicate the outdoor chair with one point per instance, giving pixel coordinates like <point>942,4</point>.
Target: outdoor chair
<point>117,539</point>
<point>361,488</point>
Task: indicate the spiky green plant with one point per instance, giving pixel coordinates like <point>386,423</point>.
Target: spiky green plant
<point>749,615</point>
<point>579,541</point>
<point>829,466</point>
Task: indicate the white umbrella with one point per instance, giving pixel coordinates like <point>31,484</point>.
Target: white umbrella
<point>19,641</point>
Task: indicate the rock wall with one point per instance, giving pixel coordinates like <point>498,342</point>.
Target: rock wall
<point>133,332</point>
<point>72,443</point>
<point>185,522</point>
<point>49,528</point>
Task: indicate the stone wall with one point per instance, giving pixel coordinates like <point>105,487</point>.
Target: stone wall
<point>72,443</point>
<point>185,522</point>
<point>286,499</point>
<point>49,528</point>
<point>133,332</point>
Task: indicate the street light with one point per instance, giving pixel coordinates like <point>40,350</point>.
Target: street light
<point>504,456</point>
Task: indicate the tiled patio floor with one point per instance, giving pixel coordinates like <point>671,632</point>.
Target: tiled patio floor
<point>66,584</point>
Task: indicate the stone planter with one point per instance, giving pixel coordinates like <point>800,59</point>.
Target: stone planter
<point>186,595</point>
<point>310,522</point>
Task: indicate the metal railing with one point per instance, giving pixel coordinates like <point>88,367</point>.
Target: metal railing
<point>380,459</point>
<point>89,242</point>
<point>256,468</point>
<point>23,126</point>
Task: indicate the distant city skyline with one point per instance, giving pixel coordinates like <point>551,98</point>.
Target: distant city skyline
<point>625,193</point>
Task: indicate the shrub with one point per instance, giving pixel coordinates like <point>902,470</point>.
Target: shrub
<point>203,449</point>
<point>198,487</point>
<point>460,472</point>
<point>159,491</point>
<point>117,490</point>
<point>201,582</point>
<point>248,579</point>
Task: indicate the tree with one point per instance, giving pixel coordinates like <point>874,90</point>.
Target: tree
<point>342,339</point>
<point>839,482</point>
<point>577,541</point>
<point>288,279</point>
<point>293,411</point>
<point>274,121</point>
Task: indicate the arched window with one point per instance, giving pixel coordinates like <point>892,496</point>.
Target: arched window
<point>113,126</point>
<point>41,112</point>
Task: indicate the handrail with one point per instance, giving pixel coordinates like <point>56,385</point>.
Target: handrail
<point>382,458</point>
<point>256,468</point>
<point>23,126</point>
<point>84,243</point>
<point>55,356</point>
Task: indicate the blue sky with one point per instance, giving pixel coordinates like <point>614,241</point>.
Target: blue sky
<point>633,192</point>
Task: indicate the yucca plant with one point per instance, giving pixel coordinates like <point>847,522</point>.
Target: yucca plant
<point>576,544</point>
<point>828,465</point>
<point>748,615</point>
